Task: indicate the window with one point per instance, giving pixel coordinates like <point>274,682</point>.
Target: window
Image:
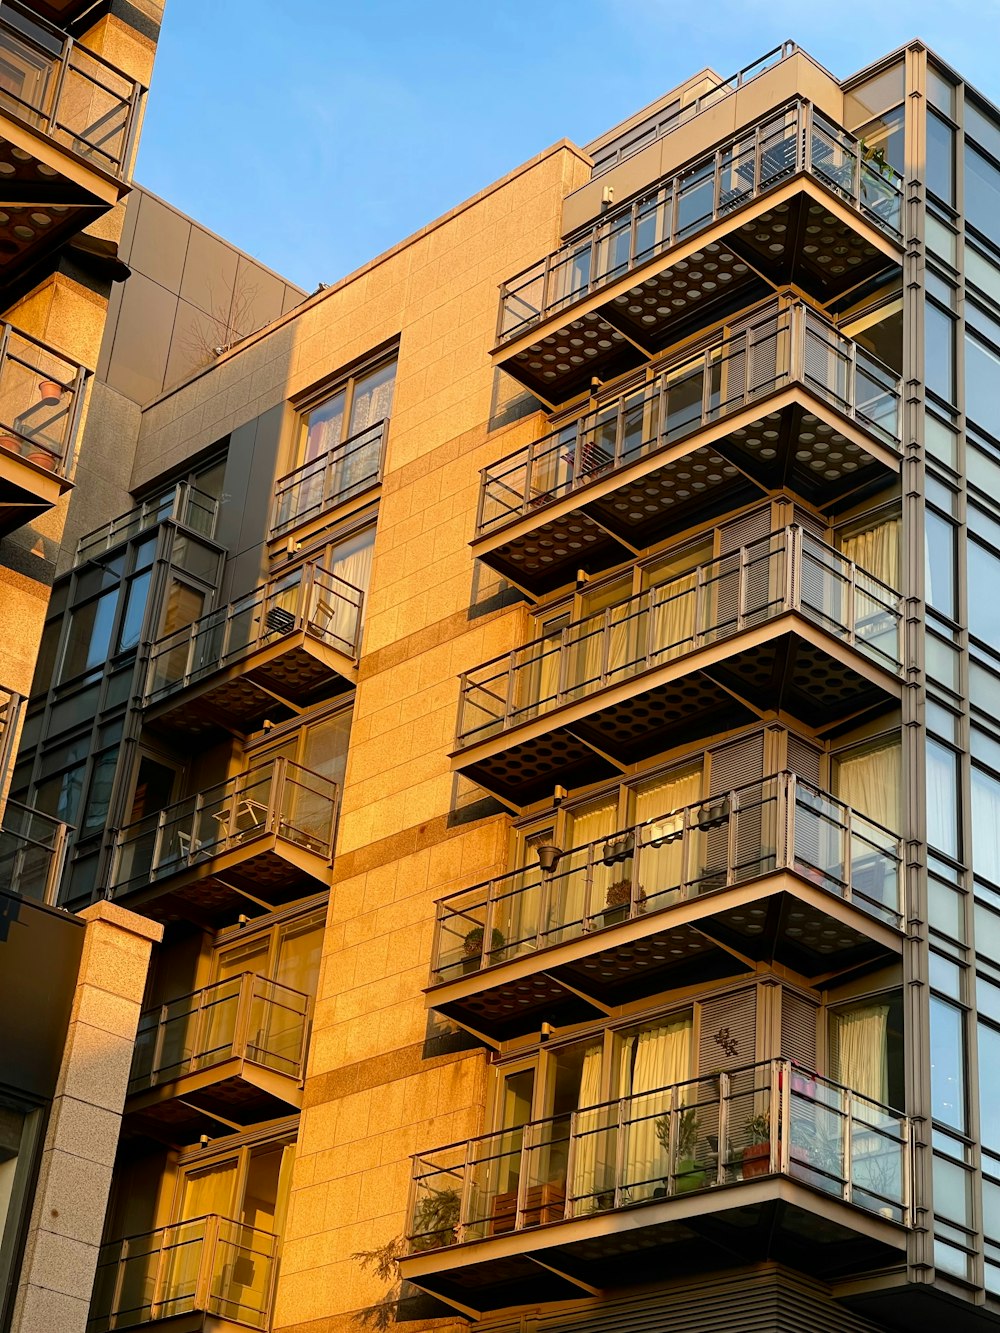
<point>940,179</point>
<point>866,1047</point>
<point>984,608</point>
<point>939,563</point>
<point>982,193</point>
<point>947,1063</point>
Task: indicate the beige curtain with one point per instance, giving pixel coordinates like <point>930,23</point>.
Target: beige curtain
<point>662,870</point>
<point>876,550</point>
<point>568,887</point>
<point>869,781</point>
<point>602,643</point>
<point>861,1050</point>
<point>592,1152</point>
<point>651,1059</point>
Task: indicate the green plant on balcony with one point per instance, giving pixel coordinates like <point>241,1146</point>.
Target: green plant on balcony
<point>435,1219</point>
<point>877,178</point>
<point>757,1152</point>
<point>689,1172</point>
<point>472,948</point>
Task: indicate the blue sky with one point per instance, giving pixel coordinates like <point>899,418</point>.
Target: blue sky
<point>316,133</point>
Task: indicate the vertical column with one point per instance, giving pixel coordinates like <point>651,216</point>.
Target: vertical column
<point>74,1178</point>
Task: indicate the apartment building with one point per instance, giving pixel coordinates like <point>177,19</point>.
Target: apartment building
<point>555,733</point>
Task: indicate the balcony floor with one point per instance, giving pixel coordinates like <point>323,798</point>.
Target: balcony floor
<point>779,917</point>
<point>769,1218</point>
<point>817,679</point>
<point>26,491</point>
<point>799,233</point>
<point>782,441</point>
<point>236,1092</point>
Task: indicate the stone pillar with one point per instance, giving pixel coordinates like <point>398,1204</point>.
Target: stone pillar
<point>71,1197</point>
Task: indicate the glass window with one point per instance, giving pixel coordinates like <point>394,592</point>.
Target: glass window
<point>989,1087</point>
<point>942,798</point>
<point>941,239</point>
<point>866,1047</point>
<point>941,440</point>
<point>939,352</point>
<point>135,612</point>
<point>982,383</point>
<point>59,796</point>
<point>939,563</point>
<point>985,825</point>
<point>89,637</point>
<point>940,158</point>
<point>19,1133</point>
<point>984,608</point>
<point>940,92</point>
<point>983,272</point>
<point>982,193</point>
<point>99,798</point>
<point>947,1064</point>
<point>982,127</point>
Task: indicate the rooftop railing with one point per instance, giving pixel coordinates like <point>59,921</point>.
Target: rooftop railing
<point>779,823</point>
<point>212,1265</point>
<point>32,853</point>
<point>785,344</point>
<point>273,798</point>
<point>348,469</point>
<point>788,570</point>
<point>41,397</point>
<point>184,504</point>
<point>310,600</point>
<point>67,91</point>
<point>773,1118</point>
<point>245,1017</point>
<point>637,137</point>
<point>797,139</point>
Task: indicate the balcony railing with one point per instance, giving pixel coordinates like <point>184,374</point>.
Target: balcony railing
<point>245,1017</point>
<point>789,570</point>
<point>211,1265</point>
<point>797,139</point>
<point>310,600</point>
<point>32,852</point>
<point>346,470</point>
<point>275,798</point>
<point>184,504</point>
<point>767,1119</point>
<point>779,823</point>
<point>41,396</point>
<point>11,708</point>
<point>784,345</point>
<point>654,127</point>
<point>66,91</point>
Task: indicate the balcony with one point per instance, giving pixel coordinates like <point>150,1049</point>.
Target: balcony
<point>792,199</point>
<point>32,853</point>
<point>41,398</point>
<point>287,644</point>
<point>786,401</point>
<point>207,1267</point>
<point>232,1052</point>
<point>784,618</point>
<point>777,871</point>
<point>244,845</point>
<point>69,125</point>
<point>768,1162</point>
<point>343,473</point>
<point>183,504</point>
<point>11,708</point>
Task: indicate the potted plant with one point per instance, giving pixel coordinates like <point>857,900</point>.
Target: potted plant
<point>714,813</point>
<point>757,1152</point>
<point>473,948</point>
<point>619,900</point>
<point>40,457</point>
<point>50,390</point>
<point>618,849</point>
<point>11,443</point>
<point>435,1219</point>
<point>877,180</point>
<point>689,1172</point>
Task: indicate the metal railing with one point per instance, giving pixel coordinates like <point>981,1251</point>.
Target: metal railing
<point>797,139</point>
<point>720,1130</point>
<point>786,343</point>
<point>656,126</point>
<point>272,798</point>
<point>11,709</point>
<point>67,91</point>
<point>244,1017</point>
<point>41,397</point>
<point>346,470</point>
<point>32,852</point>
<point>183,504</point>
<point>778,823</point>
<point>788,570</point>
<point>214,1265</point>
<point>310,600</point>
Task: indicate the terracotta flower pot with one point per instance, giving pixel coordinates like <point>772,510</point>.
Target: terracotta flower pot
<point>11,443</point>
<point>50,391</point>
<point>41,458</point>
<point>756,1160</point>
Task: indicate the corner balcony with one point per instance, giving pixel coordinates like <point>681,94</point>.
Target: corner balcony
<point>69,120</point>
<point>183,504</point>
<point>765,1163</point>
<point>208,1269</point>
<point>230,1053</point>
<point>792,199</point>
<point>289,643</point>
<point>786,401</point>
<point>245,845</point>
<point>785,618</point>
<point>777,871</point>
<point>41,399</point>
<point>343,473</point>
<point>32,852</point>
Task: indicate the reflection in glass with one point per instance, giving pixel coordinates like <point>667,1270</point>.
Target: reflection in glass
<point>947,1064</point>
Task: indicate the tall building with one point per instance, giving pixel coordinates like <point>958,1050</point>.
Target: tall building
<point>662,988</point>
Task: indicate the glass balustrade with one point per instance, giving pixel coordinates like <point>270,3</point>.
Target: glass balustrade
<point>773,1118</point>
<point>783,344</point>
<point>32,852</point>
<point>347,470</point>
<point>789,570</point>
<point>183,504</point>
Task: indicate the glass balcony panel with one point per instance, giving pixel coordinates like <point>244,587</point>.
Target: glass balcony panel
<point>695,199</point>
<point>347,470</point>
<point>185,504</point>
<point>32,851</point>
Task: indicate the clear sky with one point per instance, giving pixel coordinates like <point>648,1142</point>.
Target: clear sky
<point>316,133</point>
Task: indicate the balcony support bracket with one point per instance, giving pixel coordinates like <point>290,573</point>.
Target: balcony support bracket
<point>233,1126</point>
<point>608,1010</point>
<point>588,1287</point>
